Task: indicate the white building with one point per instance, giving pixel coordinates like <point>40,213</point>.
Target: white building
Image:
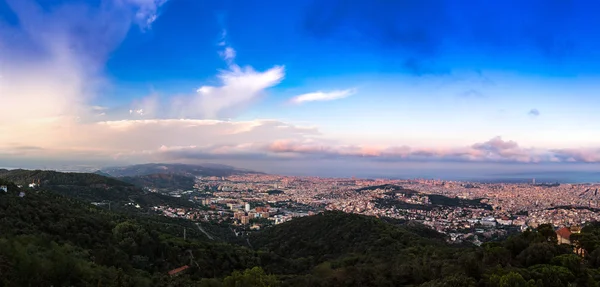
<point>4,188</point>
<point>488,221</point>
<point>503,221</point>
<point>247,207</point>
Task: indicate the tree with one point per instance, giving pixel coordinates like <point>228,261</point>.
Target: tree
<point>255,277</point>
<point>547,232</point>
<point>452,281</point>
<point>511,279</point>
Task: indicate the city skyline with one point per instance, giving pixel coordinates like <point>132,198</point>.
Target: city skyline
<point>402,88</point>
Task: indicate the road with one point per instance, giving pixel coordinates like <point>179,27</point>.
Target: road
<point>203,231</point>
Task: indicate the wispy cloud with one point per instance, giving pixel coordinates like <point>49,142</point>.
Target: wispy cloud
<point>323,96</point>
<point>63,51</point>
<point>228,54</point>
<point>147,11</point>
<point>239,87</point>
<point>58,114</point>
<point>495,150</point>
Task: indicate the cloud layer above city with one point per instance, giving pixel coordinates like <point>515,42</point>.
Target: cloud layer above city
<point>117,82</point>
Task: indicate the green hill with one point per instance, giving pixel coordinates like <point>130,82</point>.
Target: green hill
<point>161,181</point>
<point>50,177</point>
<point>334,233</point>
<point>90,187</point>
<point>177,168</point>
<point>50,239</point>
<point>53,240</point>
<point>341,249</point>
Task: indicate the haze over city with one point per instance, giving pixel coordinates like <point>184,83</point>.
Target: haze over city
<point>335,88</point>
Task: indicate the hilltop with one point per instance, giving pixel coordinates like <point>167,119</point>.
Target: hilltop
<point>178,169</point>
<point>24,177</point>
<point>436,200</point>
<point>161,181</point>
<point>89,187</point>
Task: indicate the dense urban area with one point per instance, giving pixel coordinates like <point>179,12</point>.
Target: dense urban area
<point>183,225</point>
<point>465,211</point>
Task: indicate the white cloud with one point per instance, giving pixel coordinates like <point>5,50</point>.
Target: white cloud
<point>52,62</point>
<point>238,87</point>
<point>228,54</point>
<point>323,96</point>
<point>147,11</point>
<point>140,139</point>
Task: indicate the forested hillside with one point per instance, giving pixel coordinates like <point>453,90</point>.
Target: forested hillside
<point>160,181</point>
<point>52,240</point>
<point>353,250</point>
<point>90,187</point>
<point>48,239</point>
<point>24,177</point>
<point>178,169</point>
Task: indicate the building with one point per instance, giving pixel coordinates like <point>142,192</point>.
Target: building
<point>4,188</point>
<point>563,235</point>
<point>247,207</point>
<point>238,215</point>
<point>504,221</point>
<point>488,221</point>
<point>178,271</point>
<point>245,220</point>
<point>262,209</point>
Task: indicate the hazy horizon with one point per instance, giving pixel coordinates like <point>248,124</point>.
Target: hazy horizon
<point>577,173</point>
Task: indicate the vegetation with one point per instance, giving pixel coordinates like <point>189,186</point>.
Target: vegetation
<point>51,239</point>
<point>441,200</point>
<point>161,181</point>
<point>275,191</point>
<point>24,177</point>
<point>390,187</point>
<point>178,169</point>
<point>435,201</point>
<point>91,187</point>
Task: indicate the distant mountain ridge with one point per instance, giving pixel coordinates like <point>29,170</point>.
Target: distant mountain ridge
<point>177,168</point>
<point>161,180</point>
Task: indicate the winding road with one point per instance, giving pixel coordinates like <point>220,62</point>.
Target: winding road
<point>203,231</point>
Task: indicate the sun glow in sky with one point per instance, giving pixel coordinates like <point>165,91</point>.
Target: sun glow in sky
<point>302,87</point>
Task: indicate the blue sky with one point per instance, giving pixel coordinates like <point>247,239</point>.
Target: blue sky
<point>301,83</point>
